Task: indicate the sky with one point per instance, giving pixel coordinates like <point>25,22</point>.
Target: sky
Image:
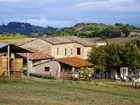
<point>64,13</point>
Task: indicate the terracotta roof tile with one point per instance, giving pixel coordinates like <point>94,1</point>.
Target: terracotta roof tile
<point>36,54</point>
<point>75,62</point>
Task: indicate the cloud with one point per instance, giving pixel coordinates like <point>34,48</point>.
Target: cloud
<point>67,12</point>
<point>50,22</point>
<point>42,21</point>
<point>111,5</point>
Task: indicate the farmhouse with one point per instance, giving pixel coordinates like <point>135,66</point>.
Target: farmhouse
<point>69,53</point>
<point>60,47</point>
<point>52,55</point>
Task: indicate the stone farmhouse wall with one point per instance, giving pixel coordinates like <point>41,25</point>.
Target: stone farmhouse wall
<point>64,50</point>
<point>40,45</point>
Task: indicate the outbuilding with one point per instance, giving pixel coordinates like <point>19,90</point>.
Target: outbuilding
<point>41,64</point>
<point>9,51</point>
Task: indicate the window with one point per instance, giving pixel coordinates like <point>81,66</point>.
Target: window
<point>47,69</point>
<point>71,52</point>
<point>57,51</point>
<point>65,51</point>
<point>78,51</point>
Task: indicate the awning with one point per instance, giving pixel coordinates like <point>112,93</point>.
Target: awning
<point>75,62</point>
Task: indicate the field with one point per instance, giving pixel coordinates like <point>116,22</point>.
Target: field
<point>122,40</point>
<point>17,41</point>
<point>36,91</point>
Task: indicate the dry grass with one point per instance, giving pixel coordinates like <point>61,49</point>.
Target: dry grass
<point>51,92</point>
<point>17,41</point>
<point>122,40</point>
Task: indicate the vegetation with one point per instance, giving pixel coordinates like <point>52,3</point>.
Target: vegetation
<point>80,29</point>
<point>24,28</point>
<point>85,72</point>
<point>115,56</point>
<point>122,40</point>
<point>7,36</point>
<point>52,92</point>
<point>18,41</point>
<point>97,30</point>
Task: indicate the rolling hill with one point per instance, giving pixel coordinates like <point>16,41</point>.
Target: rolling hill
<point>24,28</point>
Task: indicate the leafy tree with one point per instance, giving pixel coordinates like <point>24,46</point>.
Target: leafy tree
<point>98,57</point>
<point>131,55</point>
<point>125,29</point>
<point>115,56</point>
<point>111,32</point>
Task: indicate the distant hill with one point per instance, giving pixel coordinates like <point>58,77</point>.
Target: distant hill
<point>24,28</point>
<point>80,30</point>
<point>99,30</point>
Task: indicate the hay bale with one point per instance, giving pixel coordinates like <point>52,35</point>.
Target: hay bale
<point>16,64</point>
<point>3,66</point>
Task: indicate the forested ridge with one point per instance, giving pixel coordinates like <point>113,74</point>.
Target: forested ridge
<point>80,30</point>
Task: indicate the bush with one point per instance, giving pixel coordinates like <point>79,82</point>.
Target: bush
<point>85,72</point>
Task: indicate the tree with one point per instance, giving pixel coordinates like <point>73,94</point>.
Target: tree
<point>111,32</point>
<point>115,56</point>
<point>132,55</point>
<point>125,30</point>
<point>98,57</point>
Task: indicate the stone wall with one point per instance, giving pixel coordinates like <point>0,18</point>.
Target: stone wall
<point>70,48</point>
<point>40,45</point>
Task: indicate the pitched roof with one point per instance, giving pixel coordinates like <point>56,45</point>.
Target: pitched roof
<point>57,40</point>
<point>80,41</point>
<point>13,49</point>
<point>87,42</point>
<point>67,39</point>
<point>36,55</point>
<point>75,62</point>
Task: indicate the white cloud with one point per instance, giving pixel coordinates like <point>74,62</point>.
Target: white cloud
<point>67,12</point>
<point>111,5</point>
<point>50,22</point>
<point>42,21</point>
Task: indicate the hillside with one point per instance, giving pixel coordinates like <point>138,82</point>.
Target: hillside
<point>24,28</point>
<point>81,30</point>
<point>99,30</point>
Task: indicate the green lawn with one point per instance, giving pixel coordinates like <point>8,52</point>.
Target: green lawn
<point>36,91</point>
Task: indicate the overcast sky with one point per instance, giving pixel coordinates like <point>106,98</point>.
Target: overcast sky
<point>60,13</point>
